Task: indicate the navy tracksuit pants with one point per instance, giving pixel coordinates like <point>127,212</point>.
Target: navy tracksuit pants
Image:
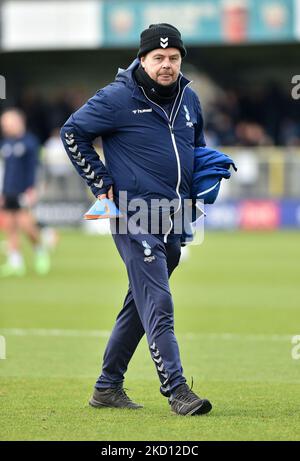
<point>148,308</point>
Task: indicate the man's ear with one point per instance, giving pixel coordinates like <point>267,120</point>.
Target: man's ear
<point>142,61</point>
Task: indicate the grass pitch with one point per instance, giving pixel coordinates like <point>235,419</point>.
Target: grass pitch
<point>237,307</point>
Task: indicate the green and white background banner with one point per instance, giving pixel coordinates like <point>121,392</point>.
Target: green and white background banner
<point>31,24</point>
<point>201,22</point>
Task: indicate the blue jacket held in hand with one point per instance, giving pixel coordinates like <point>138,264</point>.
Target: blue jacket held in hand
<point>148,153</point>
<point>210,167</point>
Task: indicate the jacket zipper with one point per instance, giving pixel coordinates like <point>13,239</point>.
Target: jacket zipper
<point>171,128</point>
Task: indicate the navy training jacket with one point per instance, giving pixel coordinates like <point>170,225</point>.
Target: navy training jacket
<point>147,153</point>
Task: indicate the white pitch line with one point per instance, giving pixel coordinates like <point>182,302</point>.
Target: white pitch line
<point>52,332</point>
<point>105,334</point>
<point>238,336</point>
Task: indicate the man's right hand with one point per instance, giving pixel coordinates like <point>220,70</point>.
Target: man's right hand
<point>109,195</point>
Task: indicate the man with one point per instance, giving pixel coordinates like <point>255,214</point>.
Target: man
<point>19,150</point>
<point>150,122</point>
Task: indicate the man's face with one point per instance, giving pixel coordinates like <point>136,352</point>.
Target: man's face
<point>163,66</point>
<point>12,124</point>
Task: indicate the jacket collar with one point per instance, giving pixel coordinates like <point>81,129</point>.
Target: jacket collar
<point>126,76</point>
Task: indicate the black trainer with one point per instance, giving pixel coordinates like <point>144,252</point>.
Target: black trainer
<point>115,397</point>
<point>185,402</point>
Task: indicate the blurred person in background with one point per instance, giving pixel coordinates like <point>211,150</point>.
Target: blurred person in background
<point>290,132</point>
<point>252,134</point>
<point>19,150</point>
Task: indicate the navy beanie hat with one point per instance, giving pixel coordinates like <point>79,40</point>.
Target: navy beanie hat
<point>160,36</point>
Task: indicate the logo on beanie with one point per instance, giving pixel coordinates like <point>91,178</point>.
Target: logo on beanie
<point>164,42</point>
